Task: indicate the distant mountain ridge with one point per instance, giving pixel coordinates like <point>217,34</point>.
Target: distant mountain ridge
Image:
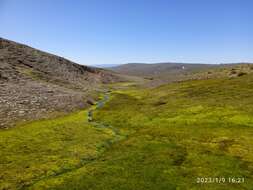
<point>106,65</point>
<point>161,73</point>
<point>158,69</point>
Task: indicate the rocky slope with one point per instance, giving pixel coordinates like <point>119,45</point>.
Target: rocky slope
<point>34,84</point>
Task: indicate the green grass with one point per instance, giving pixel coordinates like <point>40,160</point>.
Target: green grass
<point>173,134</point>
<point>40,150</point>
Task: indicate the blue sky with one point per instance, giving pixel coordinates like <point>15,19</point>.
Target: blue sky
<point>120,31</point>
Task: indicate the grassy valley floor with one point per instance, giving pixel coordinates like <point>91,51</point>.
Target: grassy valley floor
<point>48,148</point>
<point>171,135</point>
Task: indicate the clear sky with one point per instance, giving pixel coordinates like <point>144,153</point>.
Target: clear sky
<point>120,31</point>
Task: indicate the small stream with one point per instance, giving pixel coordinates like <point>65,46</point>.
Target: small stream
<point>99,104</point>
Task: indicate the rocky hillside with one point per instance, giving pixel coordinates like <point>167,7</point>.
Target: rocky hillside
<point>34,84</point>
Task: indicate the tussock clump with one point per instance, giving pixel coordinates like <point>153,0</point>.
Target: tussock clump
<point>233,71</point>
<point>159,103</point>
<point>241,74</point>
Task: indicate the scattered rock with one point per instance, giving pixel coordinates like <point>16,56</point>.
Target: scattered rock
<point>21,112</point>
<point>91,102</point>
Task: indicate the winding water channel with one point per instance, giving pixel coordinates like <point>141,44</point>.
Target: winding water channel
<point>99,104</point>
<point>99,124</point>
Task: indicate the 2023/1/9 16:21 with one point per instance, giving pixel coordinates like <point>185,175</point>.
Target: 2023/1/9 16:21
<point>220,180</point>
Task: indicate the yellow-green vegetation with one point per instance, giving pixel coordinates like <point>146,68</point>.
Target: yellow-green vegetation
<point>44,149</point>
<point>173,135</point>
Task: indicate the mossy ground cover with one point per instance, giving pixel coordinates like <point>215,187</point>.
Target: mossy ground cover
<point>43,149</point>
<point>173,134</point>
